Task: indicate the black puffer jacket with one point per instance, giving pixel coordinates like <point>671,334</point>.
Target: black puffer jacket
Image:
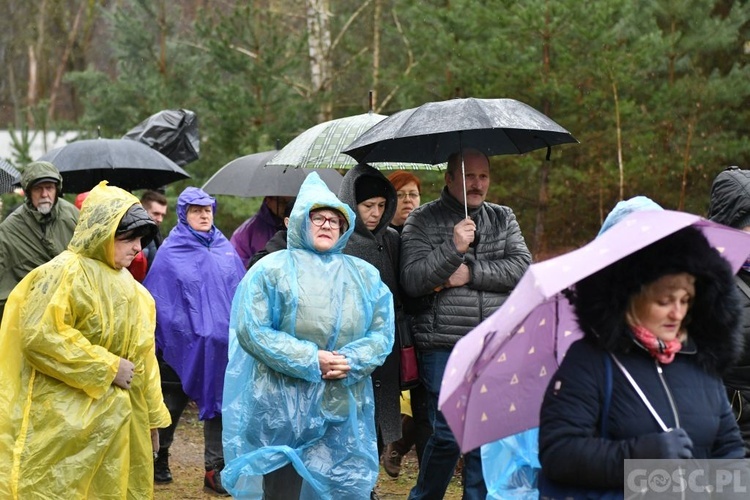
<point>571,447</point>
<point>429,257</point>
<point>730,205</point>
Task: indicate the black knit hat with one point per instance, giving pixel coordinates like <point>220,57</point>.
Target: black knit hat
<point>370,187</point>
<point>136,219</point>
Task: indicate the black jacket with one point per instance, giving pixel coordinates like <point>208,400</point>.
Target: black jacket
<point>571,448</point>
<point>380,248</point>
<point>730,205</point>
<point>496,262</point>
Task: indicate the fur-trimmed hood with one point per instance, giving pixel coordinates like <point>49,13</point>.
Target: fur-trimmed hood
<point>601,300</point>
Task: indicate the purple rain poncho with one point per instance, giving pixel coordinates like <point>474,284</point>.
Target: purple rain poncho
<point>254,233</point>
<point>192,280</point>
<point>277,408</point>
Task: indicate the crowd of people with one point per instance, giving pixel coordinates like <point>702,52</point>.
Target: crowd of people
<point>286,338</point>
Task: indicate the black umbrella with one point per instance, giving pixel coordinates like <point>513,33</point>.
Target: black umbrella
<point>124,163</point>
<point>433,131</point>
<point>250,176</point>
<point>9,177</point>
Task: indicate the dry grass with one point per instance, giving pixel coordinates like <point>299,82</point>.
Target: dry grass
<point>186,462</point>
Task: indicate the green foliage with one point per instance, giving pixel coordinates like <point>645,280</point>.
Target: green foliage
<point>670,77</point>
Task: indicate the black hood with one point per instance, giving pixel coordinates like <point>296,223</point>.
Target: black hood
<point>730,197</point>
<point>601,300</point>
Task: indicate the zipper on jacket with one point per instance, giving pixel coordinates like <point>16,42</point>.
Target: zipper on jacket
<point>660,372</point>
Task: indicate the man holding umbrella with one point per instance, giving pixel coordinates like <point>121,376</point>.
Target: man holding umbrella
<point>460,270</point>
<point>38,230</point>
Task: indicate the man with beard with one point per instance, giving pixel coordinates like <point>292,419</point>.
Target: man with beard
<point>38,230</point>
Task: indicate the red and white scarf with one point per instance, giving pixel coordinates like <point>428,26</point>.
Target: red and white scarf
<point>663,351</point>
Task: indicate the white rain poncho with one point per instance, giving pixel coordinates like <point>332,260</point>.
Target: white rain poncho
<point>65,431</point>
<point>277,408</point>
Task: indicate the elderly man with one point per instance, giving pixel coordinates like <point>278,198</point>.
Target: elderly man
<point>458,271</point>
<point>38,230</point>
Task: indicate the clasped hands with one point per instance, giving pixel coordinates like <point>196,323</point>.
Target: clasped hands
<point>463,235</point>
<point>333,366</point>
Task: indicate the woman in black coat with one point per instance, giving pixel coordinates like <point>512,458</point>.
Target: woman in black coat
<point>669,314</point>
<point>373,199</point>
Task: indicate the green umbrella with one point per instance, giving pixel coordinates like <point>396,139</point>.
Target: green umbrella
<point>320,146</point>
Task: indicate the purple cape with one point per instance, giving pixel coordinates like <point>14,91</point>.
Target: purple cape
<point>192,280</point>
<point>254,233</point>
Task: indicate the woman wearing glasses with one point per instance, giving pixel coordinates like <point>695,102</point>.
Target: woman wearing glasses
<point>408,192</point>
<point>308,327</point>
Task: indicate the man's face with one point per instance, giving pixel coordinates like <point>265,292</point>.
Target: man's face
<point>477,180</point>
<point>156,211</point>
<point>43,196</point>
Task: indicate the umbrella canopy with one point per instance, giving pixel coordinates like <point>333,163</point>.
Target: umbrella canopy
<point>433,131</point>
<point>250,176</point>
<point>124,163</point>
<point>497,374</point>
<point>9,177</point>
<point>321,146</point>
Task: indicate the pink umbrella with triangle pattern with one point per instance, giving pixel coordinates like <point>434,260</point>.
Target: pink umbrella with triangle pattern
<point>496,375</point>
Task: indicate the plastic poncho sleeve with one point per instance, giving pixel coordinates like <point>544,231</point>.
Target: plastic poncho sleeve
<point>272,347</point>
<point>56,348</point>
<point>295,357</point>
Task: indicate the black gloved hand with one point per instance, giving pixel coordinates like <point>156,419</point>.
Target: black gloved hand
<point>674,443</point>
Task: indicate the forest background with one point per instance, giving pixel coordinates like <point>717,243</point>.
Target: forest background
<point>656,91</point>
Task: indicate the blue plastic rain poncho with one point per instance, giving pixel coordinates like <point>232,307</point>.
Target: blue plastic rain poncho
<point>192,280</point>
<point>65,431</point>
<point>277,408</point>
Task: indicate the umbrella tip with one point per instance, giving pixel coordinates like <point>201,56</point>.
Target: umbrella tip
<point>278,144</point>
<point>369,109</point>
<point>98,131</point>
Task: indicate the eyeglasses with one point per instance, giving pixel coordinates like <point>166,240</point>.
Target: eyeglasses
<point>320,219</point>
<point>413,195</point>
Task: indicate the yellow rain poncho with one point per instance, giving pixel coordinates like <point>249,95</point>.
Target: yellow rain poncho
<point>65,430</point>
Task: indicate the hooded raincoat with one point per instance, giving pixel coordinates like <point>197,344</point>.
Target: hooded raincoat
<point>28,239</point>
<point>277,408</point>
<point>65,431</point>
<point>193,280</point>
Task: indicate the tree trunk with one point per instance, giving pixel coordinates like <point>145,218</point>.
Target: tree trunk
<point>376,52</point>
<point>57,83</point>
<point>319,46</point>
<point>540,243</point>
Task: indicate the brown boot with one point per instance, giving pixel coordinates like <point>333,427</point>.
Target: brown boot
<point>392,461</point>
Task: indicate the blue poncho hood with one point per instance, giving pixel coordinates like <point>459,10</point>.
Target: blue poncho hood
<point>277,407</point>
<point>192,280</point>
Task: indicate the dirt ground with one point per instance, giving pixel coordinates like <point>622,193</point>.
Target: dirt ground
<point>186,463</point>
